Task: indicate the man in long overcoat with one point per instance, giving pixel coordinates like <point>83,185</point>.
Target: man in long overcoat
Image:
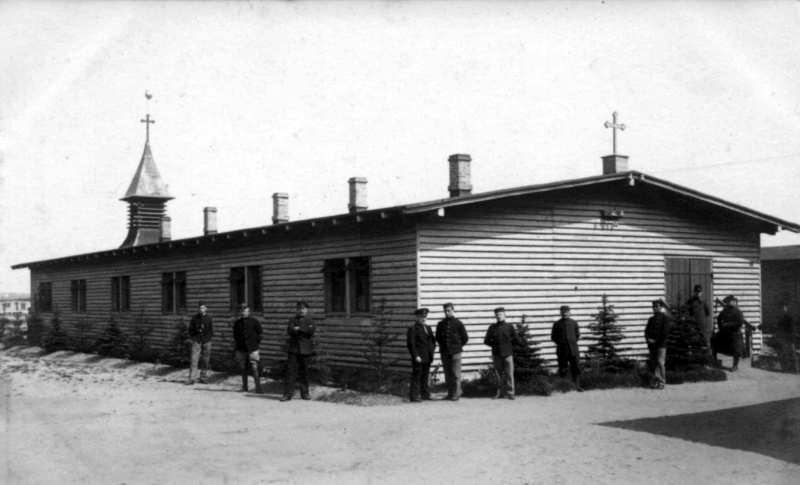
<point>701,314</point>
<point>451,337</point>
<point>501,336</point>
<point>247,338</point>
<point>565,335</point>
<point>728,339</point>
<point>300,347</point>
<point>421,344</point>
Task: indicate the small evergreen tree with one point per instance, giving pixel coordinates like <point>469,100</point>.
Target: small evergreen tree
<point>83,327</point>
<point>140,349</point>
<point>55,338</point>
<point>686,345</point>
<point>177,352</point>
<point>112,342</point>
<point>604,352</point>
<point>527,359</point>
<point>379,337</point>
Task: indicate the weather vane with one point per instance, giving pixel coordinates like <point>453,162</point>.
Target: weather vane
<point>147,119</point>
<point>614,127</point>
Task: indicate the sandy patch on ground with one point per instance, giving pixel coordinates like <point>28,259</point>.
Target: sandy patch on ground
<point>73,418</point>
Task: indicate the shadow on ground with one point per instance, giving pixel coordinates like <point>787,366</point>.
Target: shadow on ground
<point>771,428</point>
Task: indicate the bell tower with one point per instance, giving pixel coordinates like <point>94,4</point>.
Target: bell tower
<point>147,197</point>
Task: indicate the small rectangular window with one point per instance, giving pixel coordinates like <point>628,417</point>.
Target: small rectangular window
<point>78,295</point>
<point>245,287</point>
<point>173,292</point>
<point>45,297</point>
<point>121,293</point>
<point>347,285</point>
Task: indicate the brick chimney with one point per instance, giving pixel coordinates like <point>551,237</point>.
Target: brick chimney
<point>209,220</point>
<point>358,194</point>
<point>166,229</point>
<point>280,207</point>
<point>615,164</point>
<point>460,183</point>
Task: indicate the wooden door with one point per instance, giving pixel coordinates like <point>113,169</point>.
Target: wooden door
<point>680,276</point>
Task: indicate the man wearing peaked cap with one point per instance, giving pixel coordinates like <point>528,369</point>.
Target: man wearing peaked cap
<point>421,345</point>
<point>247,337</point>
<point>655,333</point>
<point>300,350</point>
<point>565,334</point>
<point>501,337</point>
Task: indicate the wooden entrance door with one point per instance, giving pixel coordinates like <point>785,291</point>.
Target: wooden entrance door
<point>680,276</point>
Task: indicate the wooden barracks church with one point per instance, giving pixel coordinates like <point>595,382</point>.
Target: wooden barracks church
<point>530,248</point>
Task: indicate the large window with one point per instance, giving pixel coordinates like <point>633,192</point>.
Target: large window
<point>121,293</point>
<point>245,287</point>
<point>77,290</point>
<point>173,292</point>
<point>347,288</point>
<point>45,297</point>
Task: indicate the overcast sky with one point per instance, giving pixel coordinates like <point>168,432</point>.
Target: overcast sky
<point>256,98</point>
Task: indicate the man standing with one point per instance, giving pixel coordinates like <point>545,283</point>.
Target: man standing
<point>300,350</point>
<point>501,336</point>
<point>451,336</point>
<point>201,329</point>
<point>728,339</point>
<point>565,335</point>
<point>247,337</point>
<point>656,333</point>
<point>421,344</point>
<point>701,314</point>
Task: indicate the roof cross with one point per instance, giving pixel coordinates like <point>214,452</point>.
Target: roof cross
<point>147,122</point>
<point>614,127</point>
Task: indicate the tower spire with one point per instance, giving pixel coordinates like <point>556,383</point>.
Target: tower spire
<point>146,196</point>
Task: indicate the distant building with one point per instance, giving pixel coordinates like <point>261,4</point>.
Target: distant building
<point>529,248</point>
<point>780,281</point>
<point>14,305</point>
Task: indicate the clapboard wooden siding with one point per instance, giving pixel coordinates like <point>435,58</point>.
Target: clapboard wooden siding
<point>291,270</point>
<point>533,255</point>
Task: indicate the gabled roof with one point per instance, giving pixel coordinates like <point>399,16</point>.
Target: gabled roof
<point>777,253</point>
<point>630,178</point>
<point>147,181</point>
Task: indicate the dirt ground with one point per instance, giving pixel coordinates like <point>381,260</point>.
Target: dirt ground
<point>76,418</point>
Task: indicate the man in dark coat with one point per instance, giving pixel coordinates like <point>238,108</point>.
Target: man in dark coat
<point>501,336</point>
<point>565,335</point>
<point>656,333</point>
<point>421,344</point>
<point>728,339</point>
<point>701,314</point>
<point>300,348</point>
<point>451,337</point>
<point>201,329</point>
<point>247,338</point>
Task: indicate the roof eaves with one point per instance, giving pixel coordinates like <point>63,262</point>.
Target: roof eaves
<point>780,223</point>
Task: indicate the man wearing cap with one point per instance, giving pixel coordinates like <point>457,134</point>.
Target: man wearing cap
<point>565,335</point>
<point>247,338</point>
<point>501,336</point>
<point>300,348</point>
<point>201,329</point>
<point>421,344</point>
<point>655,333</point>
<point>701,314</point>
<point>451,337</point>
<point>728,339</point>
